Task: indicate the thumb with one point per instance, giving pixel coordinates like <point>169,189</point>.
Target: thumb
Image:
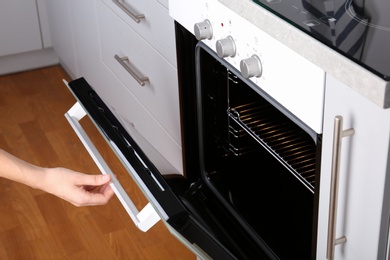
<point>96,180</point>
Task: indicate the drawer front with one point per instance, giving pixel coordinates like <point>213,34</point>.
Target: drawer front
<point>156,143</point>
<point>165,3</point>
<point>157,27</point>
<point>159,95</point>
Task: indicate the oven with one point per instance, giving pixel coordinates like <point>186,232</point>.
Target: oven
<point>255,158</point>
<point>251,119</point>
<point>245,149</point>
<point>256,134</point>
<point>252,113</point>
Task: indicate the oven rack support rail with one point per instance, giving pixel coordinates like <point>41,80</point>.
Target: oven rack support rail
<point>287,142</point>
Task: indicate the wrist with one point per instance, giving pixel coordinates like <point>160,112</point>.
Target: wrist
<point>39,178</point>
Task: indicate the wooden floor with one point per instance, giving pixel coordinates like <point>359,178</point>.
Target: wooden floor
<point>37,225</point>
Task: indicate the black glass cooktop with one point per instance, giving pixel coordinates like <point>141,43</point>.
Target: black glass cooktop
<point>359,29</point>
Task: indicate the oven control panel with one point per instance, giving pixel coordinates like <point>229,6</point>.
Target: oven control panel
<point>289,78</point>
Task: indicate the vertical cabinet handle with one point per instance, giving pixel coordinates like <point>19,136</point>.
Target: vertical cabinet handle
<point>136,17</point>
<point>140,79</point>
<point>143,219</point>
<point>338,134</point>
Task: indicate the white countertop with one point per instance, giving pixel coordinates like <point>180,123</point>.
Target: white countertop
<point>350,73</point>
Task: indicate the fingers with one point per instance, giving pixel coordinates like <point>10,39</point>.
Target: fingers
<point>91,180</point>
<point>101,179</point>
<point>96,190</point>
<point>86,197</point>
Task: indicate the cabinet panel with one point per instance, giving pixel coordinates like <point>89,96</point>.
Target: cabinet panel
<point>157,28</point>
<point>165,3</point>
<point>19,27</point>
<point>78,39</point>
<point>363,208</point>
<point>160,94</point>
<point>161,149</point>
<point>60,24</point>
<point>86,40</point>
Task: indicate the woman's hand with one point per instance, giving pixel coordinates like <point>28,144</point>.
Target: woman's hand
<point>77,188</point>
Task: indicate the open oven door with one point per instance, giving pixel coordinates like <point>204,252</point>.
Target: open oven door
<point>134,161</point>
<point>163,203</point>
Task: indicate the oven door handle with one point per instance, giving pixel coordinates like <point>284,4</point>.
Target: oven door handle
<point>144,219</point>
<point>338,134</point>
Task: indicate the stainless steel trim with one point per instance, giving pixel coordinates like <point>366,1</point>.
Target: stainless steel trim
<point>140,79</point>
<point>338,134</point>
<point>136,17</point>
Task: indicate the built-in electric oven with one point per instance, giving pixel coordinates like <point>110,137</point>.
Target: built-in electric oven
<point>248,153</point>
<point>250,189</point>
<point>251,118</point>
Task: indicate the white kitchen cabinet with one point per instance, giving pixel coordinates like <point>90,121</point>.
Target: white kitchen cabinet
<point>60,22</point>
<point>156,27</point>
<point>156,122</point>
<point>363,192</point>
<point>86,36</point>
<point>19,27</point>
<point>86,42</point>
<point>75,38</point>
<point>25,36</point>
<point>160,93</point>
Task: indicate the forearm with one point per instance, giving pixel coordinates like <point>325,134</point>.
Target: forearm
<point>78,188</point>
<point>15,169</point>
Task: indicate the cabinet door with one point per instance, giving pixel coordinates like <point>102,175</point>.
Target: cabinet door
<point>86,40</point>
<point>158,97</point>
<point>160,94</point>
<point>60,23</point>
<point>363,207</point>
<point>19,27</point>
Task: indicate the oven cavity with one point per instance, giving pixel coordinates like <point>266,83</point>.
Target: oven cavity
<point>257,160</point>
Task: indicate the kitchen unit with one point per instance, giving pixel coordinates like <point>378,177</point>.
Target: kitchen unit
<point>169,78</point>
<point>25,36</point>
<point>89,37</point>
<point>23,32</point>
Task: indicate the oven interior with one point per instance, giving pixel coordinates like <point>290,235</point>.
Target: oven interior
<point>252,171</point>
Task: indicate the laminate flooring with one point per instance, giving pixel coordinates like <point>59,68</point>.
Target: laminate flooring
<point>37,225</point>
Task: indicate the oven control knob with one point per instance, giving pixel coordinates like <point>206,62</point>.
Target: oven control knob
<point>226,47</point>
<point>203,30</point>
<point>251,67</point>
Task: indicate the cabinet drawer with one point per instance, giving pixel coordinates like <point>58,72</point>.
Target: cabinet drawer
<point>159,95</point>
<point>155,142</point>
<point>157,27</point>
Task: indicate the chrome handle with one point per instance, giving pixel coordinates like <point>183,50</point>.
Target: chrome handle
<point>136,17</point>
<point>338,134</point>
<point>144,219</point>
<point>140,79</point>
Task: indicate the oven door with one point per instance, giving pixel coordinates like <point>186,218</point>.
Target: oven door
<point>163,202</point>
